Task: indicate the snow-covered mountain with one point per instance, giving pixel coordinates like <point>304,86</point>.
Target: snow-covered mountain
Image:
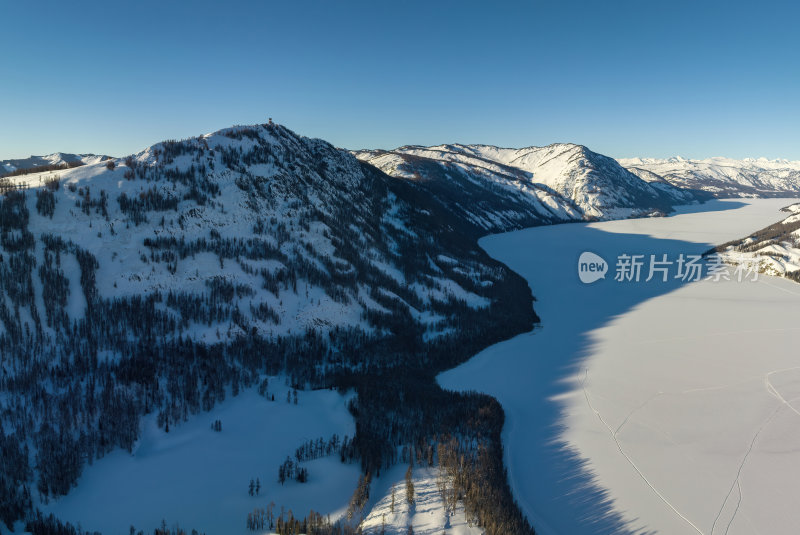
<point>722,177</point>
<point>287,211</point>
<point>499,188</point>
<point>55,159</point>
<point>162,282</point>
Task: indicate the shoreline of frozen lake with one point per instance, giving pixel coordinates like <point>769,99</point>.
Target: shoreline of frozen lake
<point>648,407</point>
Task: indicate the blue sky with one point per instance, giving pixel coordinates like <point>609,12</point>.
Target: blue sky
<point>625,78</point>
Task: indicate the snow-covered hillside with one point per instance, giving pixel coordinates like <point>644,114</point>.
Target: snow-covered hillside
<point>166,281</point>
<point>427,513</point>
<point>774,250</point>
<point>278,233</point>
<point>501,189</point>
<point>722,177</point>
<point>57,158</point>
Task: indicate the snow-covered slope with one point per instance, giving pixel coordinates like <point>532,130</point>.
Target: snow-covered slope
<point>288,230</point>
<point>57,158</point>
<point>773,250</point>
<point>163,282</point>
<point>501,189</point>
<point>428,513</point>
<point>202,475</point>
<point>722,177</point>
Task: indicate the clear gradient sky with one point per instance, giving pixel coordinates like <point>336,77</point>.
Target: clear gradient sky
<point>636,78</point>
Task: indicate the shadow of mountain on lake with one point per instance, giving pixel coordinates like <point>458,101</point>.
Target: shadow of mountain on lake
<point>533,374</point>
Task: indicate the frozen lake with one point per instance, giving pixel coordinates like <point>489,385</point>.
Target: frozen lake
<point>669,407</point>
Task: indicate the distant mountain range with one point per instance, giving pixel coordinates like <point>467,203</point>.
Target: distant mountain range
<point>722,177</point>
<point>57,158</point>
<point>559,182</point>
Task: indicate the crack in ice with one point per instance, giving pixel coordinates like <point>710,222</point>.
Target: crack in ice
<point>629,460</point>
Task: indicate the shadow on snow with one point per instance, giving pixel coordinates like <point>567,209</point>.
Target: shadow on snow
<point>549,479</point>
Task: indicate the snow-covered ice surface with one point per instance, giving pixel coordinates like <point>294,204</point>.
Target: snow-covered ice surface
<point>198,478</point>
<point>649,407</point>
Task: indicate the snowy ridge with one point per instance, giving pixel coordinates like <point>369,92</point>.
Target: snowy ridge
<point>722,177</point>
<point>509,188</point>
